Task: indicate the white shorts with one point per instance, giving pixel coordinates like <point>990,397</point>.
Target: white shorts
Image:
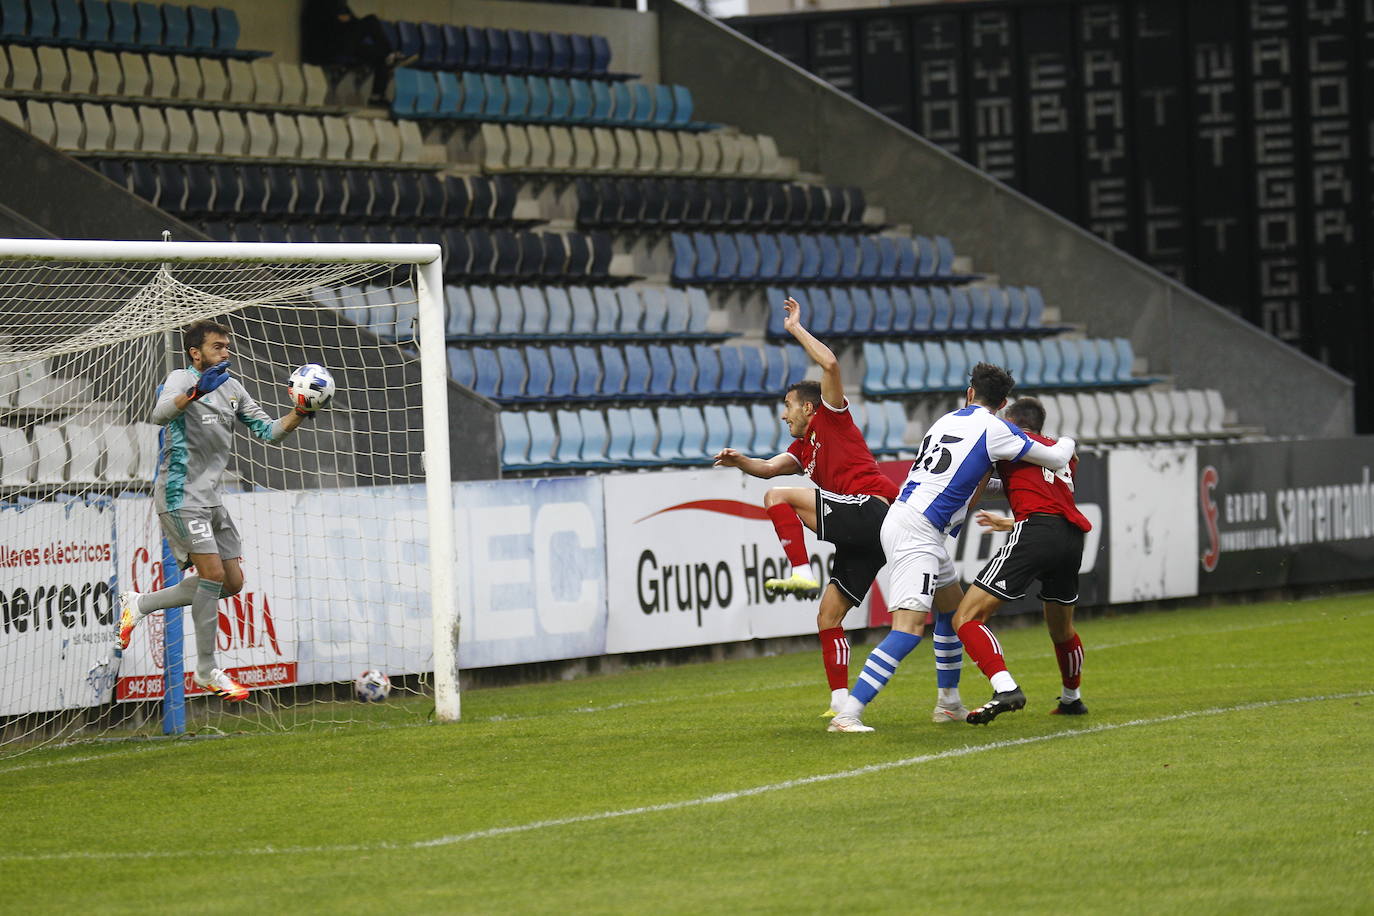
<point>918,562</point>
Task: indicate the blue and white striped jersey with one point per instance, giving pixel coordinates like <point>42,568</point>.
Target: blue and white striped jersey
<point>959,448</point>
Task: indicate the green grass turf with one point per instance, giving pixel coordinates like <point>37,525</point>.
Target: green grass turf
<point>1261,809</point>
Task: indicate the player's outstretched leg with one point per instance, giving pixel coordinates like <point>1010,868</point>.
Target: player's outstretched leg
<point>986,651</point>
<point>788,524</point>
<point>134,606</point>
<point>877,671</point>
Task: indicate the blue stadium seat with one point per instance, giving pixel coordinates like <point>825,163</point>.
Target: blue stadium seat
<point>498,49</point>
<point>894,356</point>
<point>1032,375</point>
<point>517,93</point>
<point>789,257</point>
<point>884,310</point>
<point>767,430</point>
<point>798,364</point>
<point>670,434</point>
<point>1125,359</point>
<point>540,98</point>
<point>870,259</point>
<point>684,371</point>
<point>945,257</point>
<point>474,48</point>
<point>543,439</point>
<point>682,107</point>
<point>927,258</point>
<point>875,369</point>
<point>872,422</point>
<point>1052,363</point>
<point>459,312</point>
<point>922,311</point>
<point>770,257</point>
<point>978,308</point>
<point>510,312</point>
<point>124,25</point>
<point>607,312</point>
<point>1015,356</point>
<point>560,54</point>
<point>631,311</point>
<point>644,448</point>
<point>660,371</point>
<point>431,46</point>
<point>488,372</point>
<point>570,444</point>
<point>515,440</point>
<point>994,353</point>
<point>460,367</point>
<point>907,259</point>
<point>861,317</point>
<point>563,384</point>
<point>622,436</point>
<point>775,369</point>
<point>655,313</point>
<point>540,52</point>
<point>835,311</point>
<point>937,364</point>
<point>903,311</point>
<point>941,309</point>
<point>915,378</point>
<point>513,372</point>
<point>614,372</point>
<point>1071,367</point>
<point>999,308</point>
<point>821,258</point>
<point>888,258</point>
<point>596,438</point>
<point>752,380</point>
<point>455,47</point>
<point>694,436</point>
<point>588,373</point>
<point>684,258</point>
<point>581,59</point>
<point>960,309</point>
<point>896,427</point>
<point>95,32</point>
<point>535,320</point>
<point>1035,308</point>
<point>717,429</point>
<point>176,27</point>
<point>474,96</point>
<point>1018,309</point>
<point>1088,360</point>
<point>583,307</point>
<point>449,100</point>
<point>741,432</point>
<point>639,371</point>
<point>493,97</point>
<point>708,378</point>
<point>67,29</point>
<point>731,371</point>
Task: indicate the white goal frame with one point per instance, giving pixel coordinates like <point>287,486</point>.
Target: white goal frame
<point>427,258</point>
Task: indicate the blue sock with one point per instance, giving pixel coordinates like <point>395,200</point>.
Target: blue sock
<point>949,652</point>
<point>882,664</point>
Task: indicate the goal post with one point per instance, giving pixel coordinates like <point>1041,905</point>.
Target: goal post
<point>346,555</point>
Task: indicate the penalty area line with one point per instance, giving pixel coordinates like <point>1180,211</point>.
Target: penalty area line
<point>715,799</point>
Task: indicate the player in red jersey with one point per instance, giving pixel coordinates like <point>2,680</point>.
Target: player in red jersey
<point>1046,543</point>
<point>846,507</point>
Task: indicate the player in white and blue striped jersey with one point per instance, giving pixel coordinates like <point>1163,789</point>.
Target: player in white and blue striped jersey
<point>953,464</point>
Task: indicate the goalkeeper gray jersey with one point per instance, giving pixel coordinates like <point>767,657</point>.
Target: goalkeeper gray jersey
<point>196,441</point>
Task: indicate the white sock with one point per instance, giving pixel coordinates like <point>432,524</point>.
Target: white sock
<point>1002,681</point>
<point>852,706</point>
<point>838,696</point>
<point>949,696</point>
<point>1068,694</point>
<point>803,571</point>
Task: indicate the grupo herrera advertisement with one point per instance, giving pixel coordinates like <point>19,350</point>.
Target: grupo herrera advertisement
<point>256,637</point>
<point>56,605</point>
<point>687,554</point>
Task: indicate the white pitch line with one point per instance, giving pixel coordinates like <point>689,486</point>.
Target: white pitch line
<point>718,798</point>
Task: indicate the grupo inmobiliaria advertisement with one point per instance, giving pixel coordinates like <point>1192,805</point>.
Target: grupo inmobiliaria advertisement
<point>56,605</point>
<point>256,638</point>
<point>1273,514</point>
<point>687,554</point>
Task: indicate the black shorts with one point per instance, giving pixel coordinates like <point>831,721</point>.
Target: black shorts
<point>1044,547</point>
<point>853,525</point>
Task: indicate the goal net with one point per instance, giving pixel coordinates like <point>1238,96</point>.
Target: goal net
<point>337,522</point>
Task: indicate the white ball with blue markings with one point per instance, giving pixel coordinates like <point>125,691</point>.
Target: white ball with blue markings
<point>311,387</point>
<point>372,686</point>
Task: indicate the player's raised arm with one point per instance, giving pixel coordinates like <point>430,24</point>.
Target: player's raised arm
<point>832,386</point>
<point>783,463</point>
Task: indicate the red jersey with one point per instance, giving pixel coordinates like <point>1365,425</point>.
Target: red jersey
<point>1032,489</point>
<point>834,454</point>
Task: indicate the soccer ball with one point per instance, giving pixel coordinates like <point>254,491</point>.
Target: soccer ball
<point>372,686</point>
<point>311,387</point>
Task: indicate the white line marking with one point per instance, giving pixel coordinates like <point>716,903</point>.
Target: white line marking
<point>455,839</point>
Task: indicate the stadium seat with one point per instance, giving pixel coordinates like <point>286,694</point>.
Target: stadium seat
<point>767,430</point>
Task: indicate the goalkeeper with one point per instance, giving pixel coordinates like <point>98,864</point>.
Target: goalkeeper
<point>198,406</point>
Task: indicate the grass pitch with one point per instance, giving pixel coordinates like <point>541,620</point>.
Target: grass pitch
<point>1225,767</point>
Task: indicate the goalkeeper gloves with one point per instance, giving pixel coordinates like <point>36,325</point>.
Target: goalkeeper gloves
<point>209,380</point>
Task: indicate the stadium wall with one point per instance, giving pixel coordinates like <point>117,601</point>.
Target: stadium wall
<point>1186,337</point>
<point>48,191</point>
<point>618,565</point>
